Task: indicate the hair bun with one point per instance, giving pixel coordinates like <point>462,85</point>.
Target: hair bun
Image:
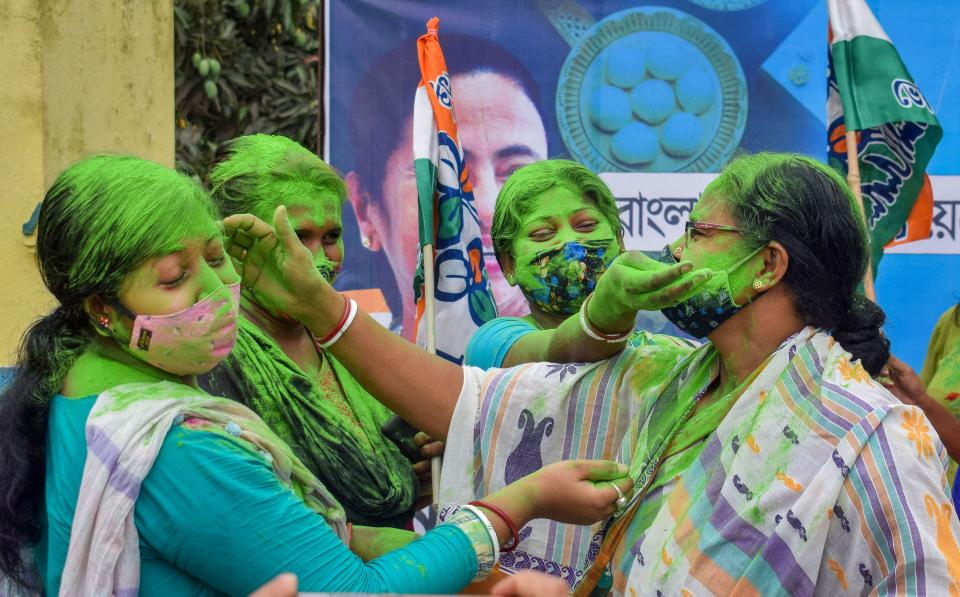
<point>859,333</point>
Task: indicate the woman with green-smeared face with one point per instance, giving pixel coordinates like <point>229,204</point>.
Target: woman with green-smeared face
<point>278,369</point>
<point>556,233</point>
<point>123,477</point>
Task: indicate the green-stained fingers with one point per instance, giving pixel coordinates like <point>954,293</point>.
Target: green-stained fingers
<point>284,228</point>
<point>277,265</point>
<point>249,240</point>
<point>601,470</point>
<point>243,231</point>
<point>638,260</point>
<point>676,291</point>
<point>611,493</point>
<point>243,239</point>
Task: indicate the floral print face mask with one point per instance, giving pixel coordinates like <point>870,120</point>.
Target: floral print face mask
<point>558,280</point>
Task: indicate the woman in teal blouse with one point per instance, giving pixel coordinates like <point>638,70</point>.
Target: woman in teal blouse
<point>557,235</point>
<point>125,479</point>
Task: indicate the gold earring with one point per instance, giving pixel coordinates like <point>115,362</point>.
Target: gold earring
<point>757,284</point>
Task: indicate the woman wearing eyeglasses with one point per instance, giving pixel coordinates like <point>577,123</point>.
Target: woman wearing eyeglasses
<point>556,231</point>
<point>766,461</point>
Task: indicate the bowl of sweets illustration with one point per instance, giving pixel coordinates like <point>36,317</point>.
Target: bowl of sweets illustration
<point>651,89</point>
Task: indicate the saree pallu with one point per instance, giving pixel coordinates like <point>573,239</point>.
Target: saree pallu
<point>817,481</point>
<point>510,422</point>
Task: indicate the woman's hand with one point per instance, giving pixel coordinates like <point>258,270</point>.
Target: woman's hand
<point>530,584</point>
<point>572,491</point>
<point>429,448</point>
<point>578,491</point>
<point>635,282</point>
<point>904,383</point>
<point>275,265</point>
<point>284,585</point>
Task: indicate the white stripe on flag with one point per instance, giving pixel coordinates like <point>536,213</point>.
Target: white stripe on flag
<point>424,140</point>
<point>852,18</point>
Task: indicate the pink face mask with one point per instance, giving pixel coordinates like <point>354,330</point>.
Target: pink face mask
<point>191,341</point>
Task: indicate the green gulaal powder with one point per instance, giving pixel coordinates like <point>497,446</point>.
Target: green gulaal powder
<point>331,423</point>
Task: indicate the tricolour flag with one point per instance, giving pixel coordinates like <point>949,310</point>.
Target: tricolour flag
<point>871,91</point>
<point>448,216</point>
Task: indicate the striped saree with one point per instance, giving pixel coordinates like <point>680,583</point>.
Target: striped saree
<point>815,480</point>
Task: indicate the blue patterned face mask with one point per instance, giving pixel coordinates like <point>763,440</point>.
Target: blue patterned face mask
<point>326,267</point>
<point>713,304</point>
<point>558,280</point>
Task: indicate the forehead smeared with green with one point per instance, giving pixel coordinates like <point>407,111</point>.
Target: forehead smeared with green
<point>105,215</point>
<point>262,172</point>
<point>758,187</point>
<point>515,200</point>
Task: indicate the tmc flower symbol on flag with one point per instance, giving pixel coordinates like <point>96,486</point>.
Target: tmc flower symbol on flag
<point>460,275</point>
<point>454,193</point>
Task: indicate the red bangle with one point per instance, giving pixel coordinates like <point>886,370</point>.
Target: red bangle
<point>509,521</point>
<point>343,320</point>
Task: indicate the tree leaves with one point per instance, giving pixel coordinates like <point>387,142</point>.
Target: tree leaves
<point>264,84</point>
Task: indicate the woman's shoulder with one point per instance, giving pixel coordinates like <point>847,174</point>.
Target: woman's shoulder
<point>846,386</point>
<point>489,345</point>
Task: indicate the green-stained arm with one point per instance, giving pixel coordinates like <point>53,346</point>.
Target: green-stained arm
<point>633,283</point>
<point>420,387</point>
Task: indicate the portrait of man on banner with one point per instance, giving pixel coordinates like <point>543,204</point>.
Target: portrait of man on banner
<point>501,129</point>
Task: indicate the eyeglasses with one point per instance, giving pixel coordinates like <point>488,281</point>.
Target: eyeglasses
<point>689,227</point>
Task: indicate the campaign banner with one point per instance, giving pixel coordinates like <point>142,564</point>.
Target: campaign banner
<point>654,96</point>
<point>654,207</point>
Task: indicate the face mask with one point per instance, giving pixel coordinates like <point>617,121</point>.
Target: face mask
<point>558,280</point>
<point>326,267</point>
<point>191,341</point>
<point>713,304</point>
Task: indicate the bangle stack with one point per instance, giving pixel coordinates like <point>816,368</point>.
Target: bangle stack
<point>350,309</point>
<point>590,330</point>
<point>495,542</point>
<point>514,532</point>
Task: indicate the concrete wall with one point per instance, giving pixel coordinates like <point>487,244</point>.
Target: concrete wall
<point>76,77</point>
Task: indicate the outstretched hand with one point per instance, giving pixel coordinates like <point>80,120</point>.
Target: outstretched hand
<point>635,282</point>
<point>272,262</point>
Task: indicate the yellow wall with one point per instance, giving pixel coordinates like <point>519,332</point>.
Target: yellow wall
<point>76,77</point>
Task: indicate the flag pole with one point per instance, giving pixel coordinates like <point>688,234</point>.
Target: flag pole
<point>430,315</point>
<point>853,181</point>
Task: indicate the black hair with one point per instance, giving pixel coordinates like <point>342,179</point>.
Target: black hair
<point>101,218</point>
<point>809,209</point>
<point>395,75</point>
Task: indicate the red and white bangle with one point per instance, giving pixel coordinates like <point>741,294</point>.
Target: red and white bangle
<point>514,531</point>
<point>597,335</point>
<point>349,314</point>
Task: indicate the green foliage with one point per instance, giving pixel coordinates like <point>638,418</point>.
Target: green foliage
<point>242,67</point>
